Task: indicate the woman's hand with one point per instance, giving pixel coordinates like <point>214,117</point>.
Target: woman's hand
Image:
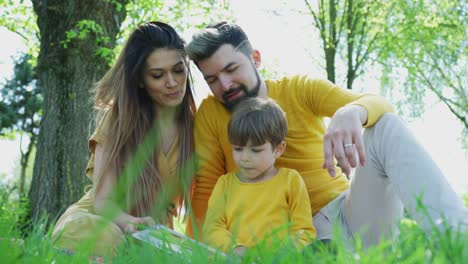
<point>133,224</point>
<point>240,251</point>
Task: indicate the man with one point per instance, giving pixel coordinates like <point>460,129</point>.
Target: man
<point>392,169</point>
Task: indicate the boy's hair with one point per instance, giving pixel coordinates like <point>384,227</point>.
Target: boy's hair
<point>211,38</point>
<point>257,120</point>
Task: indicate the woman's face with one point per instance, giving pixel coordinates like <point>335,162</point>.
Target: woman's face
<point>165,77</point>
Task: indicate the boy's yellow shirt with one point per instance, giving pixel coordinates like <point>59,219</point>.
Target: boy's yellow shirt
<point>246,214</point>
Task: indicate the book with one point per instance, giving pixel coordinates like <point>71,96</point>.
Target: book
<point>164,238</point>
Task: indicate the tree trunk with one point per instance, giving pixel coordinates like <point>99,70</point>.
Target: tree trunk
<point>330,63</point>
<point>350,43</point>
<point>66,76</point>
<point>24,160</point>
<point>330,49</point>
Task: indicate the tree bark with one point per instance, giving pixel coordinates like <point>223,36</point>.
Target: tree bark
<point>66,76</point>
<point>330,49</point>
<point>24,160</point>
<point>350,43</point>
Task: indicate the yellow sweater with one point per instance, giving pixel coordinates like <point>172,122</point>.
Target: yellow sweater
<point>245,214</point>
<point>306,101</point>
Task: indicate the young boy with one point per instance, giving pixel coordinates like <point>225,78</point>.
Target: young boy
<point>258,202</point>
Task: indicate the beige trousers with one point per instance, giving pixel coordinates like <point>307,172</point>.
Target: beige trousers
<point>398,174</point>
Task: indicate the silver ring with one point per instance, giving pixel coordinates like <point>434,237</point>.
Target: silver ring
<point>348,145</point>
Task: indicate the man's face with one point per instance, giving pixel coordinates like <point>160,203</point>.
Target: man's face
<point>231,76</point>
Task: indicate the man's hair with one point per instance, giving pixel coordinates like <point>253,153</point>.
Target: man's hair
<point>257,120</point>
<point>211,38</point>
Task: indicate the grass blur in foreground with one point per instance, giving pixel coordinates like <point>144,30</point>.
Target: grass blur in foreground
<point>412,246</point>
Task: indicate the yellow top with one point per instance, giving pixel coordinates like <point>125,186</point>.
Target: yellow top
<point>241,213</point>
<point>80,222</point>
<point>167,165</point>
<point>306,101</point>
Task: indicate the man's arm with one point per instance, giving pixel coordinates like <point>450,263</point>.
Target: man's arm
<point>344,131</point>
<point>211,165</point>
<point>349,112</point>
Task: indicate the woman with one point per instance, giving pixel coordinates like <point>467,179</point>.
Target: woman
<point>141,151</point>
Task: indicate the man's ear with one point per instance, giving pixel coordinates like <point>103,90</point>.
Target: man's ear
<point>256,57</point>
<point>279,150</point>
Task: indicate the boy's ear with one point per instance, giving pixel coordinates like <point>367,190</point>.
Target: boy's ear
<point>279,150</point>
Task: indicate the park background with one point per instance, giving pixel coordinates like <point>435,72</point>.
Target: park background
<point>414,53</point>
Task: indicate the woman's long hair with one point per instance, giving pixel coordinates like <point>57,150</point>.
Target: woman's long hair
<point>129,111</point>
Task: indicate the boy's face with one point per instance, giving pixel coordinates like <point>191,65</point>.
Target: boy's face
<point>231,75</point>
<point>256,163</point>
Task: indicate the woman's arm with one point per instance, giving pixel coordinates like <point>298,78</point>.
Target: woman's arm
<point>104,205</point>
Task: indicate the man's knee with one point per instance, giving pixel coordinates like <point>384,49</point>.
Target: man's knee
<point>387,122</point>
<point>388,118</point>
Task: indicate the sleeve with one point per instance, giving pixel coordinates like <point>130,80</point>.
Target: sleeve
<point>301,230</point>
<point>100,133</point>
<point>211,164</point>
<point>324,98</point>
<point>215,229</point>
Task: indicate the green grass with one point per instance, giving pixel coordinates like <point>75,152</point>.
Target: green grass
<point>412,246</point>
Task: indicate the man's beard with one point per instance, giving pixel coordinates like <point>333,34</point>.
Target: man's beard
<point>253,92</point>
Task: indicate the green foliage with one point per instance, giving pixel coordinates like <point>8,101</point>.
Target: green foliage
<point>21,105</point>
<point>118,5</point>
<point>184,15</point>
<point>83,29</point>
<point>21,100</point>
<point>349,28</point>
<point>18,16</point>
<point>7,117</point>
<point>425,44</point>
<point>13,213</point>
<point>421,45</point>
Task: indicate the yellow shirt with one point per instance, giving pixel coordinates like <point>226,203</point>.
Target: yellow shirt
<point>167,164</point>
<point>241,213</point>
<point>306,101</point>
